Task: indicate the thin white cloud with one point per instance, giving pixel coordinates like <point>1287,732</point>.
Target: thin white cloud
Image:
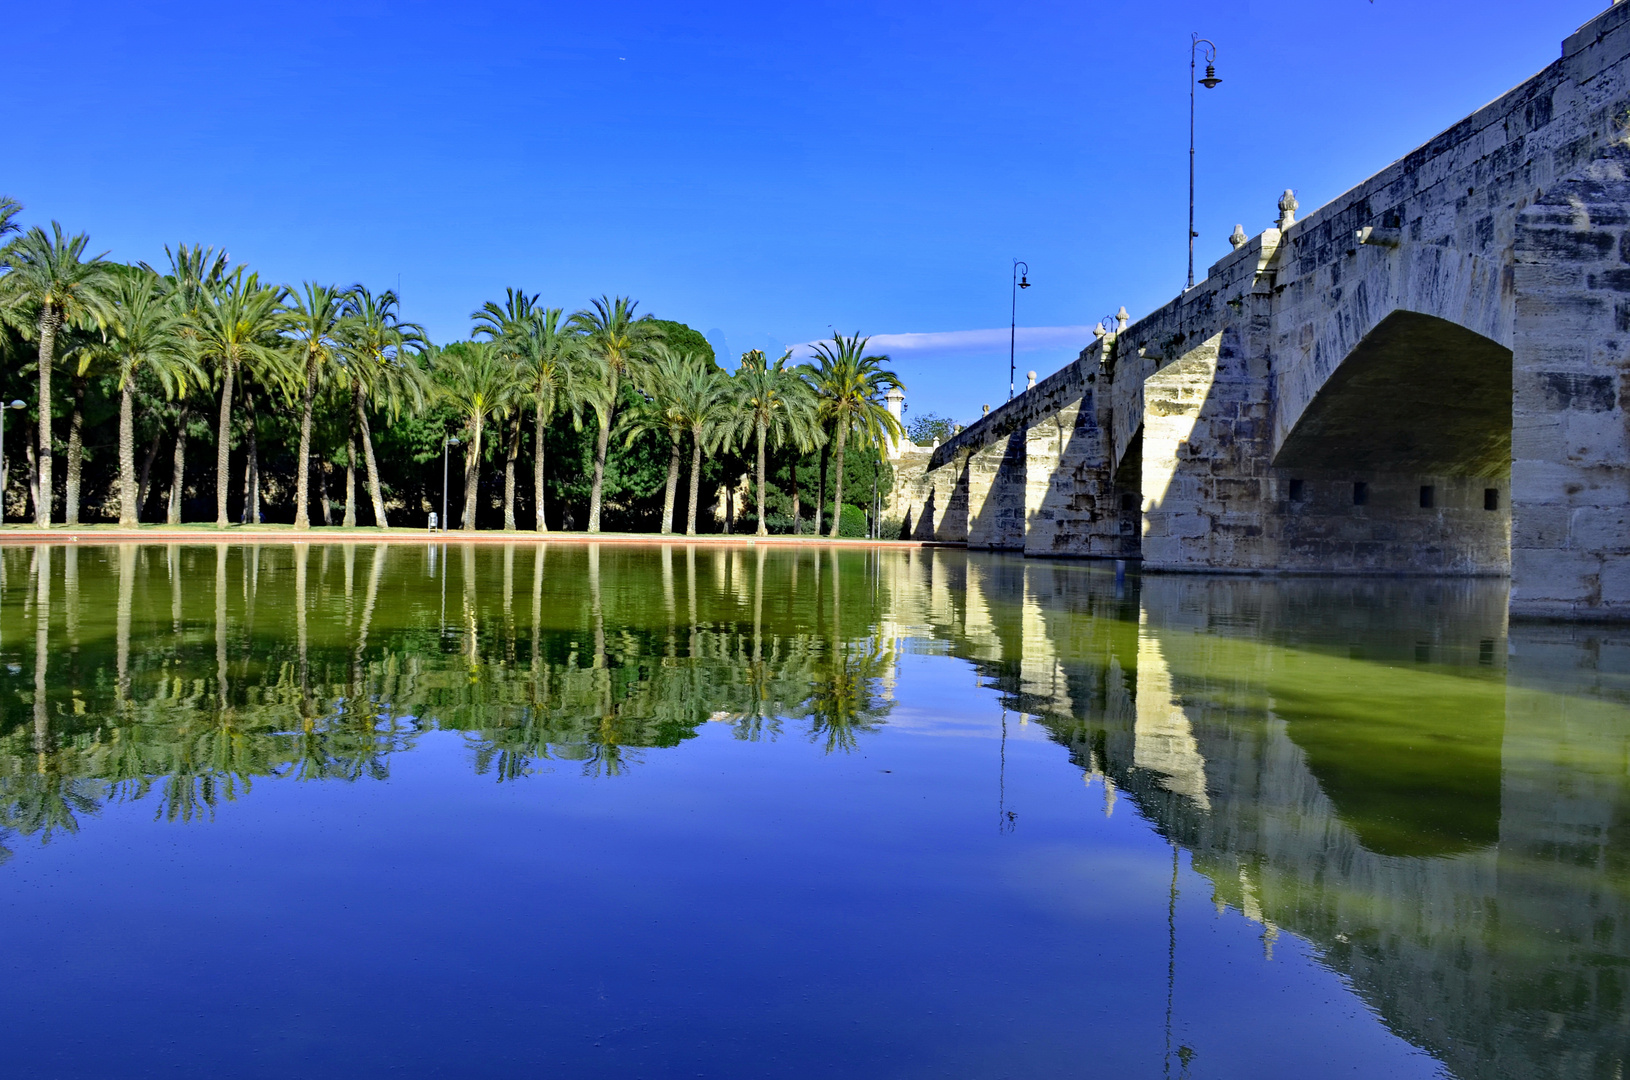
<point>1027,339</point>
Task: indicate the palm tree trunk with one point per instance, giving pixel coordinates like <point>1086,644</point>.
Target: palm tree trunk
<point>837,481</point>
<point>820,485</point>
<point>673,487</point>
<point>509,475</point>
<point>373,468</point>
<point>223,446</point>
<point>322,488</point>
<point>350,519</point>
<point>763,529</point>
<point>34,477</point>
<point>600,456</point>
<point>695,480</point>
<point>128,501</point>
<point>302,483</point>
<point>76,447</point>
<point>178,478</point>
<point>47,356</point>
<point>472,478</point>
<point>795,522</point>
<point>144,488</point>
<point>251,466</point>
<point>537,466</point>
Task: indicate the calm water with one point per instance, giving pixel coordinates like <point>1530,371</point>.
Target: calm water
<point>701,811</point>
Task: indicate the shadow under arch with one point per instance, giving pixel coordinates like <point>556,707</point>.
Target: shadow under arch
<point>1400,463</point>
<point>1418,394</point>
<point>1420,777</point>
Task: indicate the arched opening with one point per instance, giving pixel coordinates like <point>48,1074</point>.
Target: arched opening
<point>1418,395</point>
<point>1402,460</point>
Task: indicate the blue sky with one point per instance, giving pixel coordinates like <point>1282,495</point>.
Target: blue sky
<point>766,173</point>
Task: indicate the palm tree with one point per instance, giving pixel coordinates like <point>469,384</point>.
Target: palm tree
<point>476,379</point>
<point>238,325</point>
<point>144,337</point>
<point>316,322</point>
<point>196,272</point>
<point>697,403</point>
<point>49,278</point>
<point>84,350</point>
<point>772,404</point>
<point>619,343</point>
<point>665,374</point>
<point>851,386</point>
<point>380,352</point>
<point>547,356</point>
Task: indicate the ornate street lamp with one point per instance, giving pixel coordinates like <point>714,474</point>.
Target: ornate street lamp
<point>1021,280</point>
<point>1209,82</point>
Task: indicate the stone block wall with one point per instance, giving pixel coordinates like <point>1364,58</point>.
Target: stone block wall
<point>1570,472</point>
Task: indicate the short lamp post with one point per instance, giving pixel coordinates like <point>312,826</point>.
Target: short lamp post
<point>447,442</point>
<point>1021,280</point>
<point>1209,82</point>
<point>14,404</point>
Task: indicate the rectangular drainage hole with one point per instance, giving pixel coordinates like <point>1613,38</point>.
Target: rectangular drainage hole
<point>1361,493</point>
<point>1295,491</point>
<point>1491,498</point>
<point>1427,498</point>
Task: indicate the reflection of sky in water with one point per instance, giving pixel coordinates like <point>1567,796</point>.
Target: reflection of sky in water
<point>971,816</point>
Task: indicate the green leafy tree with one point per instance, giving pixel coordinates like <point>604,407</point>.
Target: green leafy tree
<point>929,428</point>
<point>618,344</point>
<point>772,405</point>
<point>49,279</point>
<point>851,386</point>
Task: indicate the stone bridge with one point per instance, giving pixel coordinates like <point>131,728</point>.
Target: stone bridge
<point>1426,376</point>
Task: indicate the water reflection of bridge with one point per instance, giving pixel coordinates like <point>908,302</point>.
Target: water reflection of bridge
<point>1377,766</point>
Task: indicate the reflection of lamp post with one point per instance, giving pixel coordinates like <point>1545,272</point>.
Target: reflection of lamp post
<point>17,404</point>
<point>1021,273</point>
<point>449,441</point>
<point>1209,82</point>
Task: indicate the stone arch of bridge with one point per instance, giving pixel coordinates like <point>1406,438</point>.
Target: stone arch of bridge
<point>1417,395</point>
<point>1402,460</point>
<point>1365,307</point>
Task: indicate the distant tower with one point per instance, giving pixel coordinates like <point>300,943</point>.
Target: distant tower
<point>897,400</point>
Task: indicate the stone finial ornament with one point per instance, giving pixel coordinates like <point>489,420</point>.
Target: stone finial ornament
<point>1032,383</point>
<point>1287,209</point>
<point>1099,331</point>
<point>1238,238</point>
<point>1121,319</point>
<point>987,410</point>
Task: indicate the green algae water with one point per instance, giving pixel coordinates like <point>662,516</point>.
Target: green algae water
<point>670,810</point>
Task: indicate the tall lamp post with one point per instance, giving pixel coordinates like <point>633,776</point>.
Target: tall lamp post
<point>1021,280</point>
<point>1209,82</point>
<point>15,404</point>
<point>449,441</point>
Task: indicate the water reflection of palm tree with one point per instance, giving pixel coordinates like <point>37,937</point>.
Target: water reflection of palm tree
<point>844,699</point>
